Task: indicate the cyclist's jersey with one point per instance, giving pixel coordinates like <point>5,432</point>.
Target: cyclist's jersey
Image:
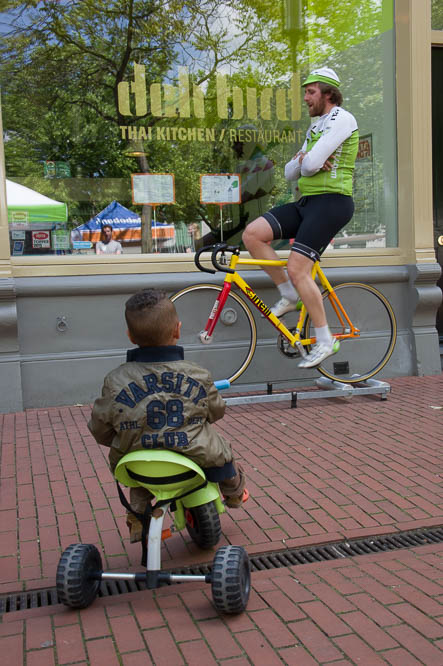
<point>334,133</point>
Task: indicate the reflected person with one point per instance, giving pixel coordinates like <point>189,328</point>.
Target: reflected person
<point>106,244</point>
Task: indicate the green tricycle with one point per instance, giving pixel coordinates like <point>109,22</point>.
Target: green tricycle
<point>179,486</point>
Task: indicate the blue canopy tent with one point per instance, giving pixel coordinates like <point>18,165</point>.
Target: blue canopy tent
<point>125,223</point>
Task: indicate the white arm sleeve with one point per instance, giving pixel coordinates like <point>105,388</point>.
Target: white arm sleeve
<point>342,127</point>
<point>292,168</point>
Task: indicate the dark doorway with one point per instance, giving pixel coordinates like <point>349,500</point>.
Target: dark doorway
<point>437,166</point>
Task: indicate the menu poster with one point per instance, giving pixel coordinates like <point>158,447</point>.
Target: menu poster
<point>153,188</point>
<point>220,188</point>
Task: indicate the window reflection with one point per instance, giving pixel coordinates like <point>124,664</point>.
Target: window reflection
<point>92,95</point>
<point>437,15</point>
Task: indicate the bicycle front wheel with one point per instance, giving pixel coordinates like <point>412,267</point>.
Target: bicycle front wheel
<point>235,336</point>
<point>361,357</point>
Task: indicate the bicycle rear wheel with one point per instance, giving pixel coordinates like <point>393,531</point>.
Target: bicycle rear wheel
<point>235,336</point>
<point>361,357</point>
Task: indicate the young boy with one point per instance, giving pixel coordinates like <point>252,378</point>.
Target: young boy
<point>157,400</point>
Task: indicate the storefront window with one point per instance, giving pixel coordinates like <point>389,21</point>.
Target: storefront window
<point>437,15</point>
<point>159,126</point>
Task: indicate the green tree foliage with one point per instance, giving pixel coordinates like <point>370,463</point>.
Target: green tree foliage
<point>60,67</point>
<point>437,15</point>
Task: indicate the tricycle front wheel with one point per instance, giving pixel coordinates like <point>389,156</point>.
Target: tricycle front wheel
<point>203,525</point>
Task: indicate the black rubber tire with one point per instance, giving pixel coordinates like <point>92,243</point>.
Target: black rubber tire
<point>231,579</point>
<point>78,575</point>
<point>203,525</point>
<point>233,344</point>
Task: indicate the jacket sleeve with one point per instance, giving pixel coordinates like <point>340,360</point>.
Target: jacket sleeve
<point>100,423</point>
<point>293,167</point>
<point>216,404</point>
<point>327,144</point>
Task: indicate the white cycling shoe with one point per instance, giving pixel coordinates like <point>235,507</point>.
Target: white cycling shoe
<point>319,353</point>
<point>283,306</point>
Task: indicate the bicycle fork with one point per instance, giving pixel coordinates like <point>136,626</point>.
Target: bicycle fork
<point>205,336</point>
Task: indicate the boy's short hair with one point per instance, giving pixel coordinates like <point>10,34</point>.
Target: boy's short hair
<point>151,318</point>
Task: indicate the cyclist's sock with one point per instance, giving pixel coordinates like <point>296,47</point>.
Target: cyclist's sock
<point>287,290</point>
<point>323,335</point>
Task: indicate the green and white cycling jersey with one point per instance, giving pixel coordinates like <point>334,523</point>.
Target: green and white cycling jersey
<point>335,133</point>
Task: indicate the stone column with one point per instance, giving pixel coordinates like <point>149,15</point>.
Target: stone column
<point>414,139</point>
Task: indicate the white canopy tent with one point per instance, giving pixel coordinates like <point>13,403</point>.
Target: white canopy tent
<point>30,209</point>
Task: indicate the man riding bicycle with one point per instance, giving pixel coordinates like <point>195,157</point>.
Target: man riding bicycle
<point>323,171</point>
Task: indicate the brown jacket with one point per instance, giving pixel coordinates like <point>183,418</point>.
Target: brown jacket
<point>157,400</point>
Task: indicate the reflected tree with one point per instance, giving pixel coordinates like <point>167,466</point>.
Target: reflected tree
<point>61,65</point>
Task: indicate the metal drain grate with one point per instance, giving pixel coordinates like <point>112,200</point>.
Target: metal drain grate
<point>32,599</point>
<point>334,551</point>
<point>273,560</point>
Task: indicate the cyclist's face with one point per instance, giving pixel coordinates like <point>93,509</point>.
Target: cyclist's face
<point>315,100</point>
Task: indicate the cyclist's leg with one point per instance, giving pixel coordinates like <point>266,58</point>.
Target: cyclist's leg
<point>299,271</point>
<point>323,216</point>
<point>281,222</point>
<point>257,238</point>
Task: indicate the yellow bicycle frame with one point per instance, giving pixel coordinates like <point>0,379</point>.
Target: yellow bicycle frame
<point>295,340</point>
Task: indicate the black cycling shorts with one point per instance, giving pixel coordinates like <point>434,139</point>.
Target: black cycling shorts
<point>312,221</point>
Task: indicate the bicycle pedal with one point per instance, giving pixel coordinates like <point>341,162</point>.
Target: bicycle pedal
<point>166,533</point>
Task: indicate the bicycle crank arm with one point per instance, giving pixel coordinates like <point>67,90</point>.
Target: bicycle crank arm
<point>301,349</point>
<point>204,338</point>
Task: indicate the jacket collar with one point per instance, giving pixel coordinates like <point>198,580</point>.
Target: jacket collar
<point>155,354</point>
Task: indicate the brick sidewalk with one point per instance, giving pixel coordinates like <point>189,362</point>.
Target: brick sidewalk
<point>364,467</point>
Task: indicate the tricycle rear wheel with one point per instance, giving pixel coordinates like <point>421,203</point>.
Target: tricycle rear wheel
<point>78,575</point>
<point>231,579</point>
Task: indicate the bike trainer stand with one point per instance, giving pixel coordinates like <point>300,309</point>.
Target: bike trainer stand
<point>331,389</point>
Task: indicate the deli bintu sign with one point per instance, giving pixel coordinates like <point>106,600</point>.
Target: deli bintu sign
<point>164,100</point>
